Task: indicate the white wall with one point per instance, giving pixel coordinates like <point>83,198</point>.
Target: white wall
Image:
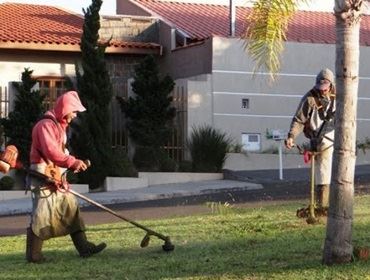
<point>11,71</point>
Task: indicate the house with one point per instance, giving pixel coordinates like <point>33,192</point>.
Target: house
<point>46,39</point>
<point>210,66</point>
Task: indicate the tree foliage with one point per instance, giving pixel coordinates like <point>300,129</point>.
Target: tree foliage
<point>92,137</point>
<point>266,30</point>
<point>28,108</point>
<point>149,112</point>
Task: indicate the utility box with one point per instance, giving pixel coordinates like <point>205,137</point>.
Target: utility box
<point>279,134</point>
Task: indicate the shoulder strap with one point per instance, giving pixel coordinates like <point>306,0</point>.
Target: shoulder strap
<point>48,117</point>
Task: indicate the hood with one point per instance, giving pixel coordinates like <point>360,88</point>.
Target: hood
<point>325,74</point>
<point>67,103</point>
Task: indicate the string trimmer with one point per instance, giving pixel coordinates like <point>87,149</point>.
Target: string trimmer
<point>63,186</point>
<point>309,212</point>
<point>8,159</point>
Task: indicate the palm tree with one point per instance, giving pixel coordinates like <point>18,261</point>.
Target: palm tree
<point>267,26</point>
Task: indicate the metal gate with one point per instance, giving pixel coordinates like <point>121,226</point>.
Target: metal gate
<point>176,145</point>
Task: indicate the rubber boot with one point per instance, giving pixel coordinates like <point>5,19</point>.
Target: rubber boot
<point>322,199</point>
<point>85,248</point>
<point>33,247</point>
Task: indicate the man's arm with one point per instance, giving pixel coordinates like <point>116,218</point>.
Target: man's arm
<point>301,116</point>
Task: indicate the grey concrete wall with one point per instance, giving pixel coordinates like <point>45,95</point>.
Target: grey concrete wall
<point>199,101</point>
<point>259,161</point>
<point>273,104</point>
<point>184,62</point>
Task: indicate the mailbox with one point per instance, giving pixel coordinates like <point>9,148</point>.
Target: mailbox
<point>279,134</point>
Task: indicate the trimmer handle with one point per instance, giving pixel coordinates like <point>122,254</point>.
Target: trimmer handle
<point>300,150</point>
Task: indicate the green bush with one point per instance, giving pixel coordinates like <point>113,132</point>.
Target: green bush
<point>121,165</point>
<point>185,166</point>
<point>167,164</point>
<point>208,147</point>
<point>152,159</point>
<point>236,148</point>
<point>146,159</point>
<point>6,183</point>
<point>72,178</point>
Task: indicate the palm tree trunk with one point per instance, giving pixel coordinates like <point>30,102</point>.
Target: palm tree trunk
<point>338,243</point>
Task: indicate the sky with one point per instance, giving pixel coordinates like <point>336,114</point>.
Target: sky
<point>109,6</point>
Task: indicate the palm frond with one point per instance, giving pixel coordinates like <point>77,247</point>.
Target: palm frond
<point>266,32</point>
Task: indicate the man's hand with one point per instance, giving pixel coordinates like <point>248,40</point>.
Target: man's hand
<point>289,143</point>
<point>78,166</point>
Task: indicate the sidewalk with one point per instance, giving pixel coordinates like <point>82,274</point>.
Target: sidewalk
<point>242,186</point>
<point>166,191</point>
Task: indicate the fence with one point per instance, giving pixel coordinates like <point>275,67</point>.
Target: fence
<point>176,144</point>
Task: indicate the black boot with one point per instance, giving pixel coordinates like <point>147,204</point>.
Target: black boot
<point>85,248</point>
<point>33,247</point>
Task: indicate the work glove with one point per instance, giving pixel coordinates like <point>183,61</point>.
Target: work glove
<point>78,166</point>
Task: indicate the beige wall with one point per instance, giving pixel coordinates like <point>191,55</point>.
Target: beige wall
<point>199,101</point>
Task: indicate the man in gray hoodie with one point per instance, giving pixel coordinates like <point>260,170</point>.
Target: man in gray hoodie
<point>315,117</point>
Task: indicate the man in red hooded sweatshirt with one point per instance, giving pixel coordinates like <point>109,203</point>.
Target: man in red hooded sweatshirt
<point>55,213</point>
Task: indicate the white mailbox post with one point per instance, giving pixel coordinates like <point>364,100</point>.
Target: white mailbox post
<point>280,135</point>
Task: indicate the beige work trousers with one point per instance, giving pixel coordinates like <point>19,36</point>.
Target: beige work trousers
<point>323,160</point>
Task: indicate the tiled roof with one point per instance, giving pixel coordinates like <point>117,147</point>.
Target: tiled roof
<point>39,24</point>
<point>200,21</point>
<point>40,27</point>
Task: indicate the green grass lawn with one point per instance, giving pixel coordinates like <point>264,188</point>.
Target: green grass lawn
<point>231,243</point>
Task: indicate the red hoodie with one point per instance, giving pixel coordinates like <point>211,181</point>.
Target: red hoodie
<point>49,138</point>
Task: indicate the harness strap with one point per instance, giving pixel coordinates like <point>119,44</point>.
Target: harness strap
<point>51,170</point>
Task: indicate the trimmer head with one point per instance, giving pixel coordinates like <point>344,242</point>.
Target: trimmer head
<point>145,242</point>
<point>312,220</point>
<point>168,246</point>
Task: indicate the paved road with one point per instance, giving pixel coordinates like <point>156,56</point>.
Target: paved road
<point>294,186</point>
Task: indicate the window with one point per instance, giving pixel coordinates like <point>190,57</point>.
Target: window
<point>52,87</point>
<point>251,141</point>
<point>245,103</point>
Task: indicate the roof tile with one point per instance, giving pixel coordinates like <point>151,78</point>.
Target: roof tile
<point>46,25</point>
<point>200,21</point>
<point>39,23</point>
